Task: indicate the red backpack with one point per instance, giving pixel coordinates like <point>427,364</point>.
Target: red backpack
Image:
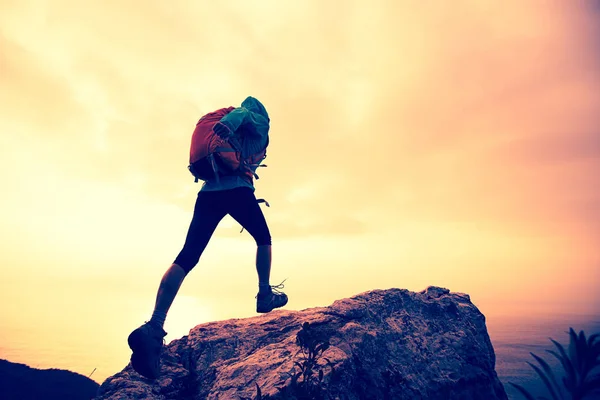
<point>212,156</point>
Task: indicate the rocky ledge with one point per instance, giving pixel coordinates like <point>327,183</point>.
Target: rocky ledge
<point>381,344</point>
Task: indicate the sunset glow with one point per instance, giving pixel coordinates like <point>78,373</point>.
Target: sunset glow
<point>412,144</point>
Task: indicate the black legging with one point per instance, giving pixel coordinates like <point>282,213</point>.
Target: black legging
<point>211,207</point>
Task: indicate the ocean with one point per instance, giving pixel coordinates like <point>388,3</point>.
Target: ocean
<point>513,339</point>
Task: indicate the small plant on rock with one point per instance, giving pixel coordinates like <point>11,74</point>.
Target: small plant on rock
<point>307,375</point>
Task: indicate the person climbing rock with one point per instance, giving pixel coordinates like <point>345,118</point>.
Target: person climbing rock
<point>228,145</point>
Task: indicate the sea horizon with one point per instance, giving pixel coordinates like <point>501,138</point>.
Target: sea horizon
<point>513,338</point>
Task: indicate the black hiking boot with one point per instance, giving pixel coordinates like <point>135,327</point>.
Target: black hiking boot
<point>266,302</point>
<point>146,342</point>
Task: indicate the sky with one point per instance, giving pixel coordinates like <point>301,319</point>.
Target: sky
<point>412,143</point>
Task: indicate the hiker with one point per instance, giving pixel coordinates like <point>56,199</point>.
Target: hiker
<point>227,168</point>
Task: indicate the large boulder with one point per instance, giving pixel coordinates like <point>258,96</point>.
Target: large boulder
<point>381,344</point>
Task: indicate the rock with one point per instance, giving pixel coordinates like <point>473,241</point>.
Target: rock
<point>383,344</point>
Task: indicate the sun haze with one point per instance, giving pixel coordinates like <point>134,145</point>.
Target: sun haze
<point>412,144</point>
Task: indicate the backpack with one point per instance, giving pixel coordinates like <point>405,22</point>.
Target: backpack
<point>212,156</point>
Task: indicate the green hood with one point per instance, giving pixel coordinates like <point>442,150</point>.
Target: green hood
<point>253,105</point>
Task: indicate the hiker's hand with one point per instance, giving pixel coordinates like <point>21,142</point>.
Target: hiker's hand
<point>222,130</point>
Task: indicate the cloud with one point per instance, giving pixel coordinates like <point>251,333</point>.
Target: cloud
<point>32,92</point>
<point>408,110</point>
<point>446,141</point>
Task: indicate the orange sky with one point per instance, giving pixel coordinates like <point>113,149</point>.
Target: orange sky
<point>412,144</point>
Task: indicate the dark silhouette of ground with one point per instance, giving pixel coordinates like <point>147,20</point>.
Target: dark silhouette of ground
<point>19,381</point>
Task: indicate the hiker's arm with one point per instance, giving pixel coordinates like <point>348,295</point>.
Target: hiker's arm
<point>241,116</point>
<point>235,119</point>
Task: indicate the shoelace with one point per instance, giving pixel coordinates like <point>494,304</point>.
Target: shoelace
<point>277,288</point>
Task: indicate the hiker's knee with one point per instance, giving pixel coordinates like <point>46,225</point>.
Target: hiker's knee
<point>176,272</point>
<point>264,239</point>
<point>261,234</point>
<point>187,261</point>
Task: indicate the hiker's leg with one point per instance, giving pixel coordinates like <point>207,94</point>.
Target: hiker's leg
<point>167,290</point>
<point>146,341</point>
<point>246,211</point>
<point>208,212</point>
<point>263,265</point>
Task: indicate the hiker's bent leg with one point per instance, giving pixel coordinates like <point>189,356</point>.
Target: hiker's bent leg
<point>246,211</point>
<point>208,212</point>
<point>207,215</point>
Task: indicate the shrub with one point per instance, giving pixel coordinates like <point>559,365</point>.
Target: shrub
<point>579,362</point>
